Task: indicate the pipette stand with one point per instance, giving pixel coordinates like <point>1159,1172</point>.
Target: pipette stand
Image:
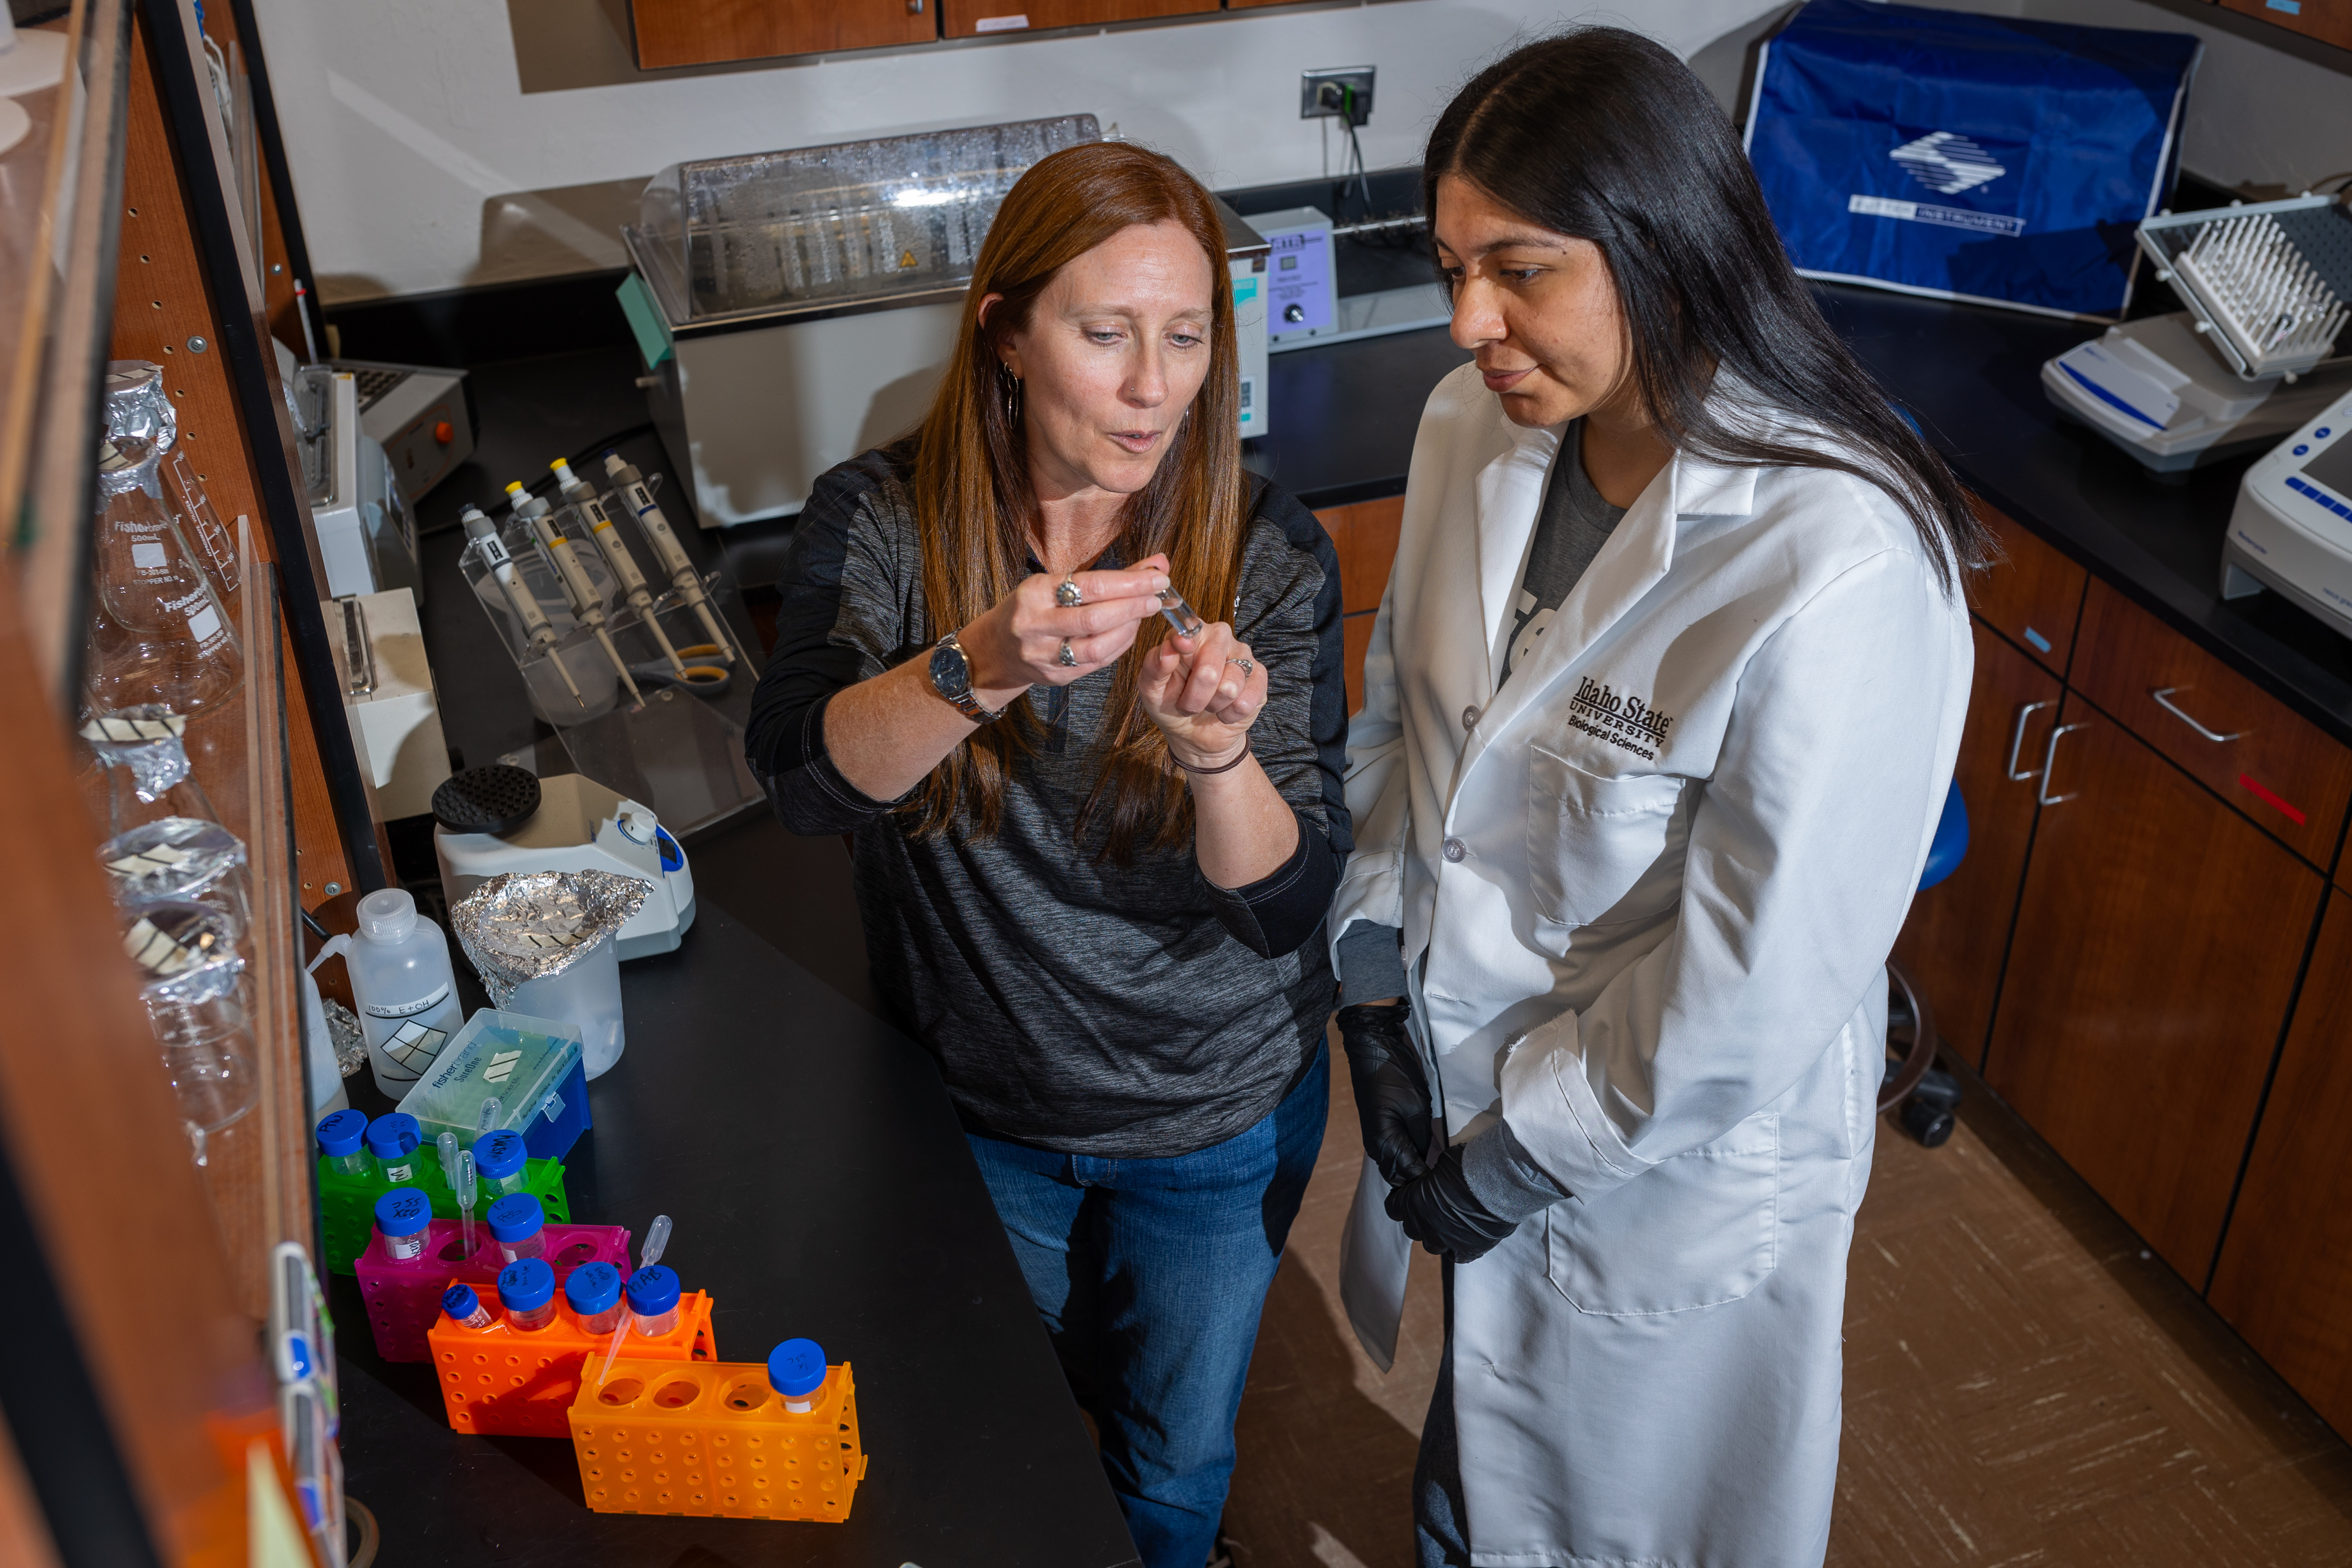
<point>404,1299</point>
<point>713,1439</point>
<point>347,1204</point>
<point>680,749</point>
<point>504,1384</point>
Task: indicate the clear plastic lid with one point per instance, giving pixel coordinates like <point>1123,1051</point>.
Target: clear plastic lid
<point>516,1059</point>
<point>818,226</point>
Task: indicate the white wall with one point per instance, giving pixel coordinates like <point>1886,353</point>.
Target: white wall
<point>442,142</point>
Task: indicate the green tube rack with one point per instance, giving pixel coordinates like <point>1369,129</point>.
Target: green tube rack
<point>347,1204</point>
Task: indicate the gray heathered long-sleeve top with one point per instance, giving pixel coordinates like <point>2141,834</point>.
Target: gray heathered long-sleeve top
<point>1074,1003</point>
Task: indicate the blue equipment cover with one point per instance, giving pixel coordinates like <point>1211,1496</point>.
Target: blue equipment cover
<point>1969,157</point>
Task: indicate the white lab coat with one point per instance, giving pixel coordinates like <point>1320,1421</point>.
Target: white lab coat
<point>1647,891</point>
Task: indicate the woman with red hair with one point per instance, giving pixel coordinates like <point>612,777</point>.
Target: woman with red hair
<point>1092,852</point>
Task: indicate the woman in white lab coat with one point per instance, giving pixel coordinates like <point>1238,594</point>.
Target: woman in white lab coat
<point>1660,709</point>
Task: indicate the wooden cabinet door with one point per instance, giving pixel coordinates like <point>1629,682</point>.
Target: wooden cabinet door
<point>1958,931</point>
<point>2033,595</point>
<point>2157,946</point>
<point>966,18</point>
<point>702,32</point>
<point>2285,1276</point>
<point>2329,21</point>
<point>2218,726</point>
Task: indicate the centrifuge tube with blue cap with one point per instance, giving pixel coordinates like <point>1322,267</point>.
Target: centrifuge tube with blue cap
<point>342,1138</point>
<point>653,1300</point>
<point>518,1226</point>
<point>594,1293</point>
<point>527,1290</point>
<point>796,1371</point>
<point>401,1218</point>
<point>393,1139</point>
<point>465,1308</point>
<point>498,1163</point>
<point>657,1239</point>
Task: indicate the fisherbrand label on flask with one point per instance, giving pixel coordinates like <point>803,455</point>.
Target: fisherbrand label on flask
<point>406,1009</point>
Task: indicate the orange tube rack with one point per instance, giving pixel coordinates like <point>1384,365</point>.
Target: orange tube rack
<point>714,1439</point>
<point>523,1385</point>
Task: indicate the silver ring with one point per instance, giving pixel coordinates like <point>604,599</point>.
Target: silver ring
<point>1246,664</point>
<point>1066,594</point>
<point>1066,658</point>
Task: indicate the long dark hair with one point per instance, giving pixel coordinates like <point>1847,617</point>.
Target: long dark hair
<point>1603,135</point>
<point>975,508</point>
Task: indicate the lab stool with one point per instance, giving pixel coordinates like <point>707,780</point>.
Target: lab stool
<point>1927,1095</point>
<point>714,1439</point>
<point>404,1298</point>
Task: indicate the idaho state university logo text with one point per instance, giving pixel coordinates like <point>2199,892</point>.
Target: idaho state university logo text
<point>1626,721</point>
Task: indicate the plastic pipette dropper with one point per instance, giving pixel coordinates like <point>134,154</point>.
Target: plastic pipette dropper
<point>462,1183</point>
<point>608,539</point>
<point>672,555</point>
<point>586,606</point>
<point>656,1237</point>
<point>520,599</point>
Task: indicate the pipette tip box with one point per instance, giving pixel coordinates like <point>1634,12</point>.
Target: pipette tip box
<point>713,1439</point>
<point>534,1067</point>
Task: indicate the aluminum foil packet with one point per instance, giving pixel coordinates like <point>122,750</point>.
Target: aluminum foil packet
<point>528,925</point>
<point>144,742</point>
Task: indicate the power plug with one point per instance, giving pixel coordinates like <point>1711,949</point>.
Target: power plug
<point>1342,92</point>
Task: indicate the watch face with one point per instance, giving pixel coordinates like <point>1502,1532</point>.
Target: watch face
<point>951,672</point>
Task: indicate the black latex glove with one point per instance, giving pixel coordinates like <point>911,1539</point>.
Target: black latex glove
<point>1440,1212</point>
<point>1391,1094</point>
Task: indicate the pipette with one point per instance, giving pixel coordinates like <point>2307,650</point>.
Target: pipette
<point>639,499</point>
<point>582,499</point>
<point>462,1183</point>
<point>587,607</point>
<point>448,1144</point>
<point>656,1239</point>
<point>524,603</point>
<point>488,1122</point>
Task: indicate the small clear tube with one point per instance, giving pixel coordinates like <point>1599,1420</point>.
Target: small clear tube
<point>1179,615</point>
<point>403,1221</point>
<point>393,1139</point>
<point>796,1372</point>
<point>465,1308</point>
<point>343,1139</point>
<point>519,1227</point>
<point>593,1294</point>
<point>653,1301</point>
<point>527,1290</point>
<point>501,1163</point>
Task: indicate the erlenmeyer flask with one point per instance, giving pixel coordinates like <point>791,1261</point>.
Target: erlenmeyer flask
<point>195,997</point>
<point>160,636</point>
<point>184,492</point>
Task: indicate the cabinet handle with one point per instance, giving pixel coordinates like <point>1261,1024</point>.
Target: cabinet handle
<point>914,7</point>
<point>2163,695</point>
<point>2017,741</point>
<point>2049,758</point>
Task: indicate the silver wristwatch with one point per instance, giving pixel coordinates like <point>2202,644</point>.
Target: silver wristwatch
<point>951,678</point>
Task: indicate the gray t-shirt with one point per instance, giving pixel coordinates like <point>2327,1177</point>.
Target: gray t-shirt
<point>1574,524</point>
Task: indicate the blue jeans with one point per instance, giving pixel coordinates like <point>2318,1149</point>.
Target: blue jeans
<point>1150,1275</point>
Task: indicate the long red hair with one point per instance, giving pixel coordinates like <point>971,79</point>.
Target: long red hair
<point>977,511</point>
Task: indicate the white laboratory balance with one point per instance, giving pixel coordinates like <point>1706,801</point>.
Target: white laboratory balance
<point>2292,530</point>
<point>497,819</point>
<point>2253,356</point>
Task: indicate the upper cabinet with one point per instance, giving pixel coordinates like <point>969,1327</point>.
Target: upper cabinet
<point>2329,21</point>
<point>703,32</point>
<point>971,18</point>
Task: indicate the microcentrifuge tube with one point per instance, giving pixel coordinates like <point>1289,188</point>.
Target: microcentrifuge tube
<point>796,1371</point>
<point>519,1227</point>
<point>653,1300</point>
<point>465,1308</point>
<point>593,1294</point>
<point>393,1139</point>
<point>499,1160</point>
<point>341,1138</point>
<point>527,1290</point>
<point>402,1217</point>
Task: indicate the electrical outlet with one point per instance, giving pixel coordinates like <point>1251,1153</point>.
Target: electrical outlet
<point>1342,92</point>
